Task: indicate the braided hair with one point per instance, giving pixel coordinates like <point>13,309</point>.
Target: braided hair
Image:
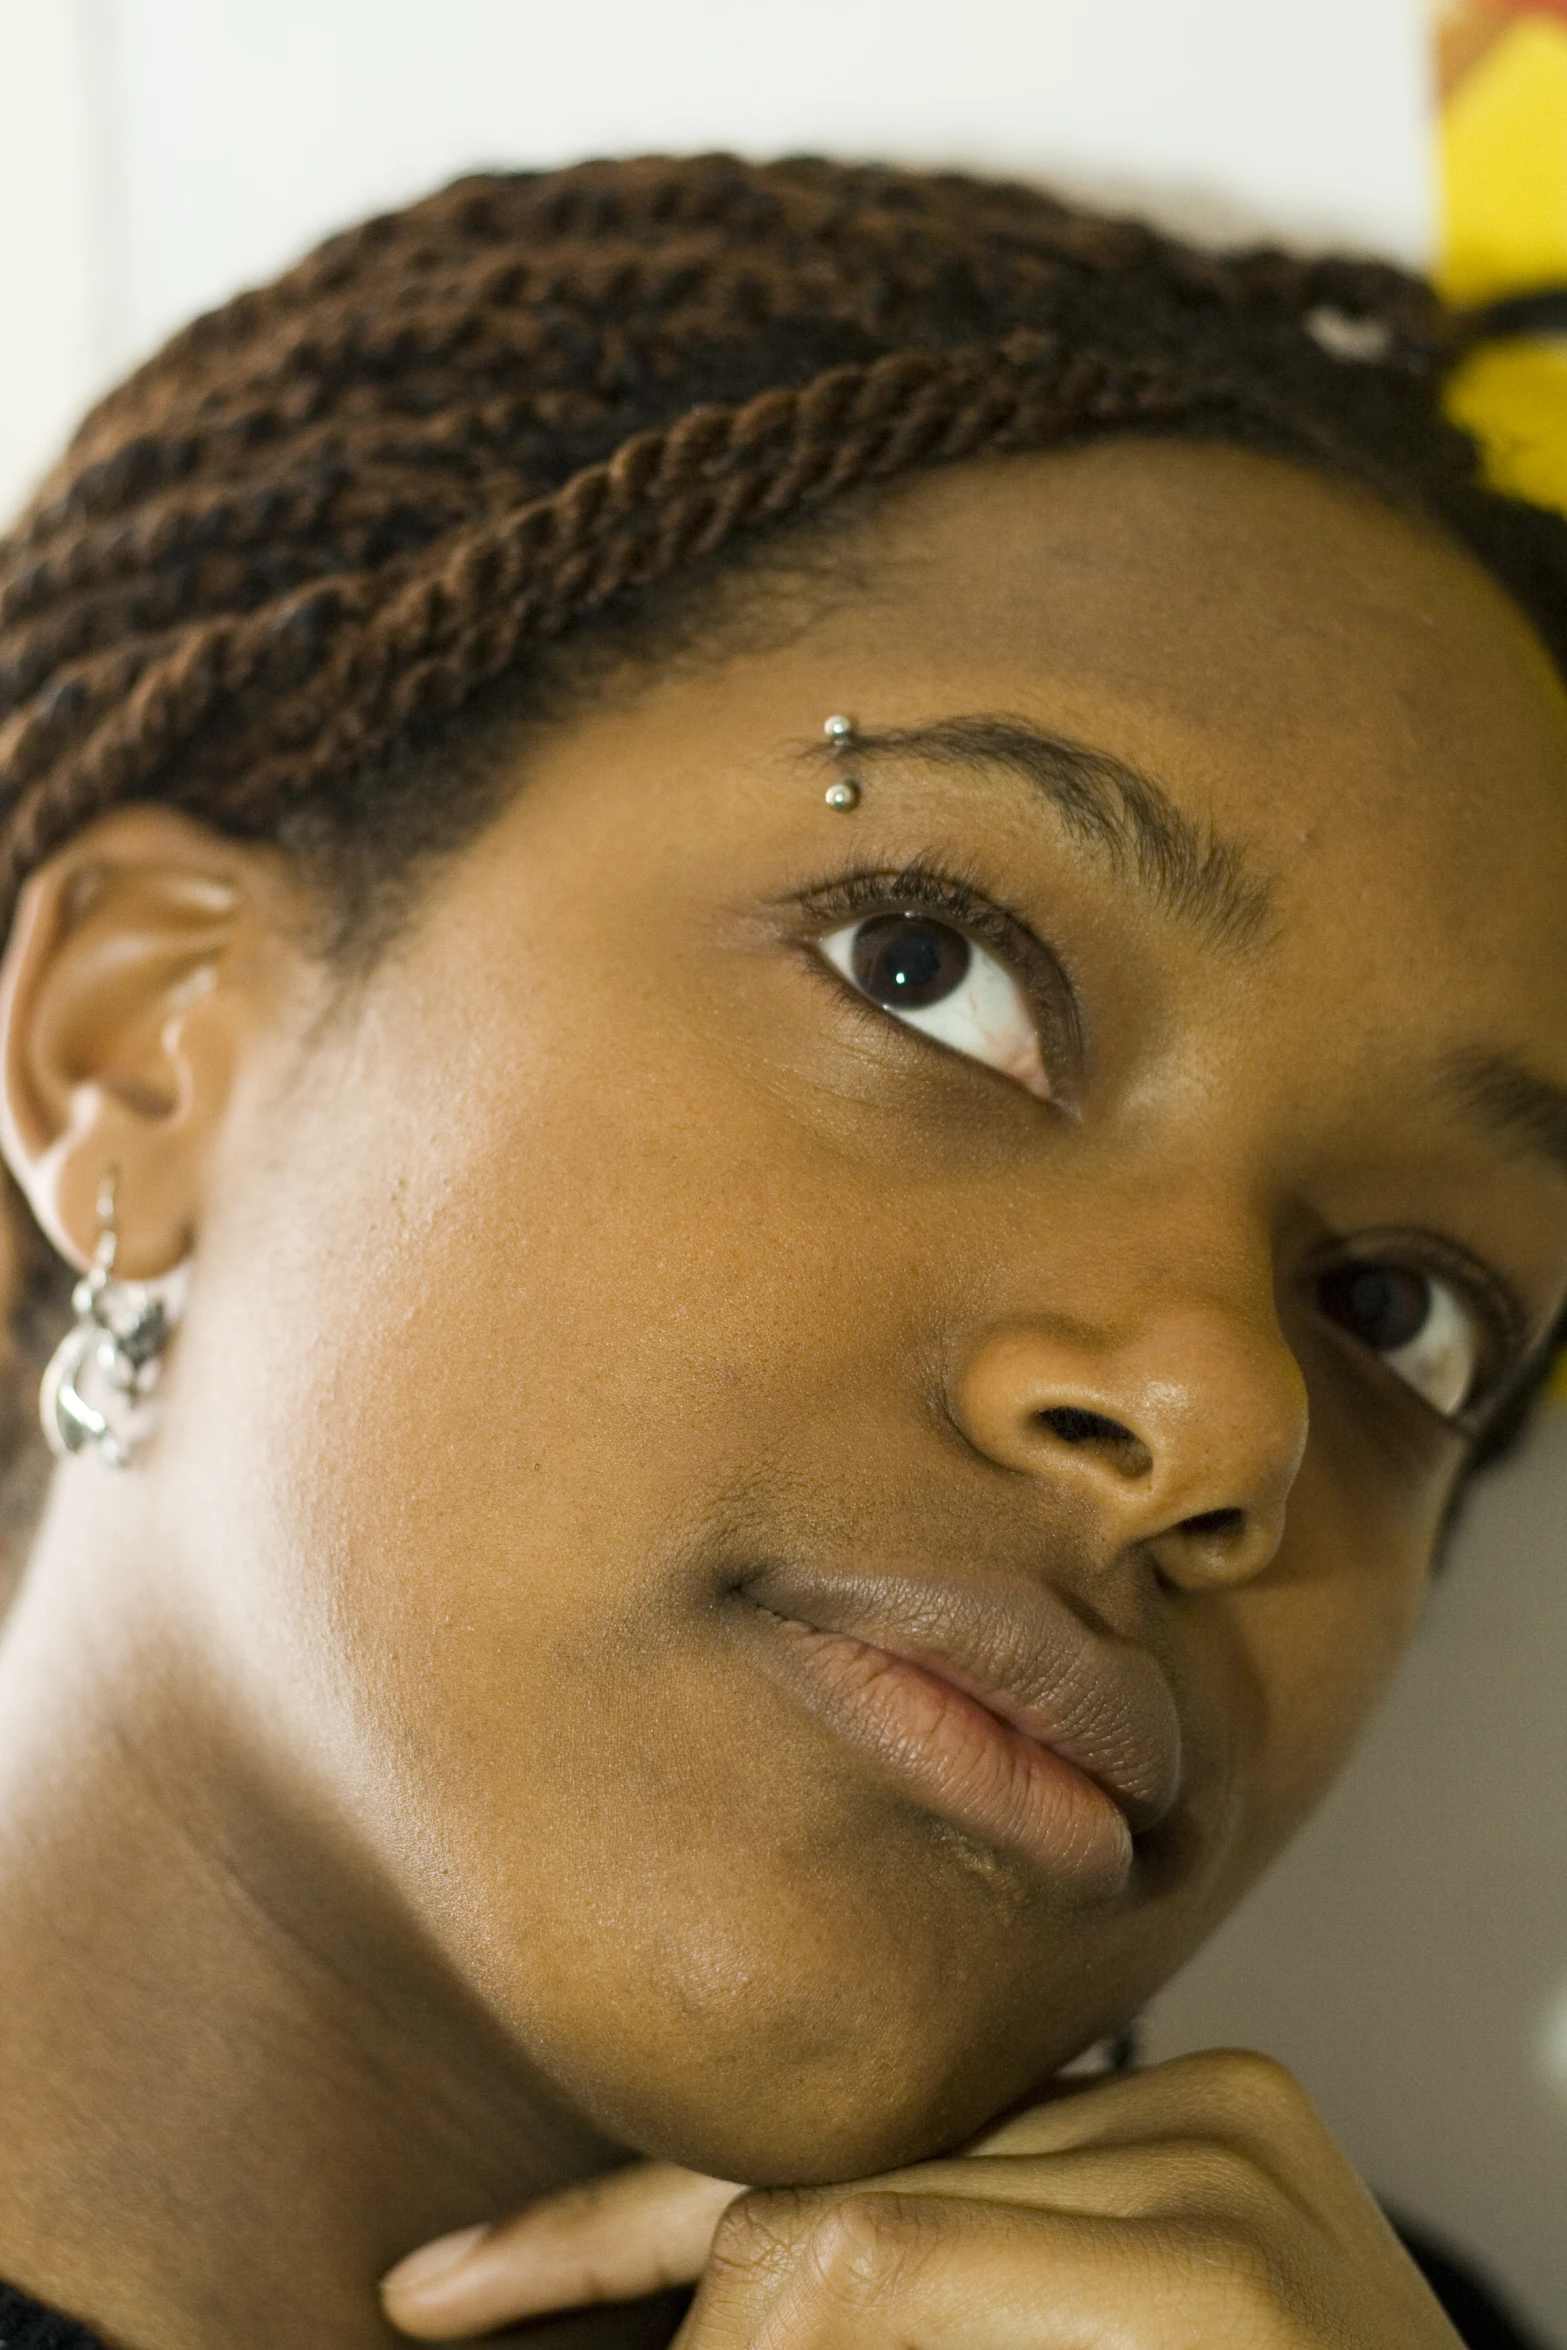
<point>315,538</point>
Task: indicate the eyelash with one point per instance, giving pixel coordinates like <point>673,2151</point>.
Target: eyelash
<point>924,886</point>
<point>1499,1311</point>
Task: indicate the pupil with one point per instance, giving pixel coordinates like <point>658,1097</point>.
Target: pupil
<point>907,962</point>
<point>1384,1306</point>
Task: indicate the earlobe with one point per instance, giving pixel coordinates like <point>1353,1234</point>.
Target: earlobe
<point>129,970</point>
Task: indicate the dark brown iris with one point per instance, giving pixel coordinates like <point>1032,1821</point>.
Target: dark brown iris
<point>908,962</point>
<point>1382,1305</point>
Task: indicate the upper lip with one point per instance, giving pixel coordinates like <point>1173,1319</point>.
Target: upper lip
<point>1100,1702</point>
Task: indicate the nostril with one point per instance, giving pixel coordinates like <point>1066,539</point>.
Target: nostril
<point>1221,1522</point>
<point>1075,1426</point>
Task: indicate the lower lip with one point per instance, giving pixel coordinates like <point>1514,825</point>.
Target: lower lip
<point>954,1757</point>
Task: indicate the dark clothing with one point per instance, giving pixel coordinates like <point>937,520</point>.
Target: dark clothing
<point>1472,2309</point>
<point>25,2326</point>
<point>1474,2314</point>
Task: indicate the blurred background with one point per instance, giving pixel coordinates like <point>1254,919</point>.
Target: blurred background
<point>1409,1959</point>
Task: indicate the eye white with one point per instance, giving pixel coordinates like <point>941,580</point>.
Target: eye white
<point>984,1016</point>
<point>1441,1360</point>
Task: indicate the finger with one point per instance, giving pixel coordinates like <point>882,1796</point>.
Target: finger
<point>1116,2110</point>
<point>909,2272</point>
<point>610,2239</point>
<point>1170,2178</point>
<point>1228,2094</point>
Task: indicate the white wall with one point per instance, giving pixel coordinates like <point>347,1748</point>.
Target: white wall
<point>208,142</point>
<point>1411,1959</point>
<point>56,342</point>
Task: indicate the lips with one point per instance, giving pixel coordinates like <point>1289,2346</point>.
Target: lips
<point>993,1706</point>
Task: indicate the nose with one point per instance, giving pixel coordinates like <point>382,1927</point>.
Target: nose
<point>1182,1435</point>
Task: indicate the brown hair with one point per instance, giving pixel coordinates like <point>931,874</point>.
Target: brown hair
<point>295,550</point>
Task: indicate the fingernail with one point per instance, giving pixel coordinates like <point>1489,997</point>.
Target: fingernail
<point>433,2264</point>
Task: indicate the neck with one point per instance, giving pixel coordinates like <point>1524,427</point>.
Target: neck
<point>237,2089</point>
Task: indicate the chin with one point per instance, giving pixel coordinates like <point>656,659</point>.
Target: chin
<point>794,2134</point>
<point>803,2100</point>
<point>787,2142</point>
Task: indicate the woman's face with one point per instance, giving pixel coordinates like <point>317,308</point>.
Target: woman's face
<point>754,1307</point>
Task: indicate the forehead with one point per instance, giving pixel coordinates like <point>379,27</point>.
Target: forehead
<point>1342,689</point>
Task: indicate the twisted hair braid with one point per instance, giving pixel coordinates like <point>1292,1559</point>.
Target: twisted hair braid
<point>289,555</point>
<point>323,519</point>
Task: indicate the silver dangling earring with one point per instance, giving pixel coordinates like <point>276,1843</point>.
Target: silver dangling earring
<point>845,793</point>
<point>115,1347</point>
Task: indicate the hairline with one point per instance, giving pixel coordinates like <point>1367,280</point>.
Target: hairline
<point>760,593</point>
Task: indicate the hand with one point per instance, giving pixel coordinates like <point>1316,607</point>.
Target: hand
<point>1200,2205</point>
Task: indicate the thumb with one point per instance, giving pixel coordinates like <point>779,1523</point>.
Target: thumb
<point>611,2239</point>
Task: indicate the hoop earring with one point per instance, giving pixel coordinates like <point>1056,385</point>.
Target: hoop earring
<point>115,1345</point>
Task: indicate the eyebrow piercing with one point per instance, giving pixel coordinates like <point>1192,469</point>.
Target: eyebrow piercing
<point>845,793</point>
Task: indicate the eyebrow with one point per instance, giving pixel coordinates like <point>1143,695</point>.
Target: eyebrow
<point>1200,875</point>
<point>1193,871</point>
<point>1511,1101</point>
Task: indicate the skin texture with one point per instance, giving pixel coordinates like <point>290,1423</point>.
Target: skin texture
<point>1199,2202</point>
<point>405,1811</point>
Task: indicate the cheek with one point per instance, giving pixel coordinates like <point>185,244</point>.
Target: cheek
<point>551,1329</point>
<point>508,1333</point>
<point>549,1360</point>
<point>1320,1638</point>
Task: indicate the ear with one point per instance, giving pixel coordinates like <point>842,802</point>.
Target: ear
<point>143,959</point>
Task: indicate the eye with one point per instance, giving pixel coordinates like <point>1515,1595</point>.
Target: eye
<point>934,978</point>
<point>1421,1327</point>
